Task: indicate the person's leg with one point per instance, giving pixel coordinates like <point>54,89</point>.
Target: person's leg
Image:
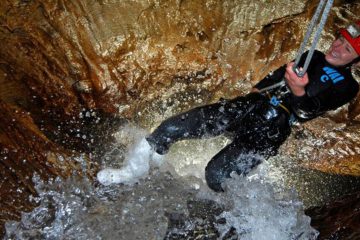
<point>235,157</point>
<point>257,138</point>
<point>205,121</point>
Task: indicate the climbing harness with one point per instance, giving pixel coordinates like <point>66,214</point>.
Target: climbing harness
<point>276,103</point>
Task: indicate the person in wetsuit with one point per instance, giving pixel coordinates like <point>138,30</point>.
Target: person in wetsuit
<point>261,121</point>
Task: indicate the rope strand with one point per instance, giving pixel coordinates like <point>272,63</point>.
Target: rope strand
<point>325,12</point>
<point>316,36</point>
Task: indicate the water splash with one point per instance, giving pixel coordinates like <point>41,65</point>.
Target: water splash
<point>77,209</point>
<point>262,211</point>
<point>137,165</point>
<point>163,202</point>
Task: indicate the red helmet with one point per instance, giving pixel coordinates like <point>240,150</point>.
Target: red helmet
<point>352,35</point>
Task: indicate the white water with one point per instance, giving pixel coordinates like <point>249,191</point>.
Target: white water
<point>262,211</point>
<point>137,165</point>
<point>257,206</point>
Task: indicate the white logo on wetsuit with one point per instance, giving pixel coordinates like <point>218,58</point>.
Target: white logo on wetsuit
<point>332,74</point>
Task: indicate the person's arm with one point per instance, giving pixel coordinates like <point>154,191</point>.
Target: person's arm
<point>307,108</point>
<point>304,106</point>
<point>308,102</point>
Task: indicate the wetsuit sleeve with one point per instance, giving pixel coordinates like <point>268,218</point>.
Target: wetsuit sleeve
<point>271,78</point>
<point>331,97</point>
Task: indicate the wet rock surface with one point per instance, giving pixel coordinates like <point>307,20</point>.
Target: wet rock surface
<point>338,219</point>
<point>71,71</point>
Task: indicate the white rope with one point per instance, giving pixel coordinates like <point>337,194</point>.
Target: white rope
<point>300,73</point>
<point>321,25</point>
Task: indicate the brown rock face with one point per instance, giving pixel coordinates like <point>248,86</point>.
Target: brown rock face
<point>338,220</point>
<point>70,69</point>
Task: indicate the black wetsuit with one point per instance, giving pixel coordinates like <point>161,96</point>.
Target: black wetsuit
<point>258,122</point>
